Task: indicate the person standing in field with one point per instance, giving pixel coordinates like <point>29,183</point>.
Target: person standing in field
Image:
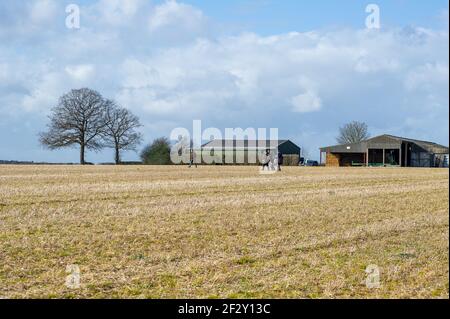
<point>193,159</point>
<point>266,160</point>
<point>280,160</point>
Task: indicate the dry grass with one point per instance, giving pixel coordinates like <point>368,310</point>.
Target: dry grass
<point>171,232</point>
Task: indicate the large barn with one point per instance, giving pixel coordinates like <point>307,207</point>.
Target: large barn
<point>244,151</point>
<point>387,150</point>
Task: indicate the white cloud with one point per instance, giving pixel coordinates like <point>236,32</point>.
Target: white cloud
<point>30,20</point>
<point>44,96</point>
<point>286,72</point>
<point>80,72</point>
<point>430,76</point>
<point>306,102</point>
<point>43,11</point>
<point>174,14</point>
<point>116,12</point>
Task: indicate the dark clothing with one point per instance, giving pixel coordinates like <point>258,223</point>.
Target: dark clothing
<point>266,161</point>
<point>280,159</point>
<point>193,160</point>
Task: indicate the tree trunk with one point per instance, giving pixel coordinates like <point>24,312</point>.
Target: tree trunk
<point>82,162</point>
<point>117,155</point>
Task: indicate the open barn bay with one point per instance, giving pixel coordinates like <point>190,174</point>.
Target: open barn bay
<point>223,232</point>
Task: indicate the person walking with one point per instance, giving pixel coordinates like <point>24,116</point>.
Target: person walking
<point>266,160</point>
<point>280,160</point>
<point>193,159</point>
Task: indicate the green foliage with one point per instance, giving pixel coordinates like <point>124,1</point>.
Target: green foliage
<point>157,153</point>
<point>246,260</point>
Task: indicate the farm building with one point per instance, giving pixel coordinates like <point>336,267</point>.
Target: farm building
<point>387,150</point>
<point>247,151</point>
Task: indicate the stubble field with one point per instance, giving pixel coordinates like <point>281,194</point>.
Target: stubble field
<point>223,232</point>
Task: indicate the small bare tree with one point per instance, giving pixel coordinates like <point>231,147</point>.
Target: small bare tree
<point>120,133</point>
<point>78,119</point>
<point>353,132</point>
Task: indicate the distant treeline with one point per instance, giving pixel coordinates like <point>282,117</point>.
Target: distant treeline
<point>31,163</point>
<point>45,163</point>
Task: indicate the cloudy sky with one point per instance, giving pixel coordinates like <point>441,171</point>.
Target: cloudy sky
<point>304,67</point>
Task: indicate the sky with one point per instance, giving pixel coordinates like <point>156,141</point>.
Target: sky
<point>304,67</point>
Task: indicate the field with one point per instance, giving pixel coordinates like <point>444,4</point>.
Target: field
<point>223,232</point>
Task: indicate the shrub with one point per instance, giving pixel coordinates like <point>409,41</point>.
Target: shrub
<point>157,153</point>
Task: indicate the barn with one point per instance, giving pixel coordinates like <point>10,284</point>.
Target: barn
<point>387,150</point>
<point>245,151</point>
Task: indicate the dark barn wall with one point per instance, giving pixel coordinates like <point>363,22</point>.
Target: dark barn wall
<point>375,156</point>
<point>290,151</point>
<point>420,157</point>
<point>347,159</point>
<point>289,148</point>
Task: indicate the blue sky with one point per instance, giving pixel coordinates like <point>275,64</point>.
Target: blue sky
<point>271,16</point>
<point>305,67</point>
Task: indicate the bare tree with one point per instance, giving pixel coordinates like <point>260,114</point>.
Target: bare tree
<point>353,132</point>
<point>120,133</point>
<point>78,119</point>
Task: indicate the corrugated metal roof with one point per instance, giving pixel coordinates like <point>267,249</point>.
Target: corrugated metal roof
<point>346,148</point>
<point>385,141</point>
<point>428,146</point>
<point>244,143</point>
